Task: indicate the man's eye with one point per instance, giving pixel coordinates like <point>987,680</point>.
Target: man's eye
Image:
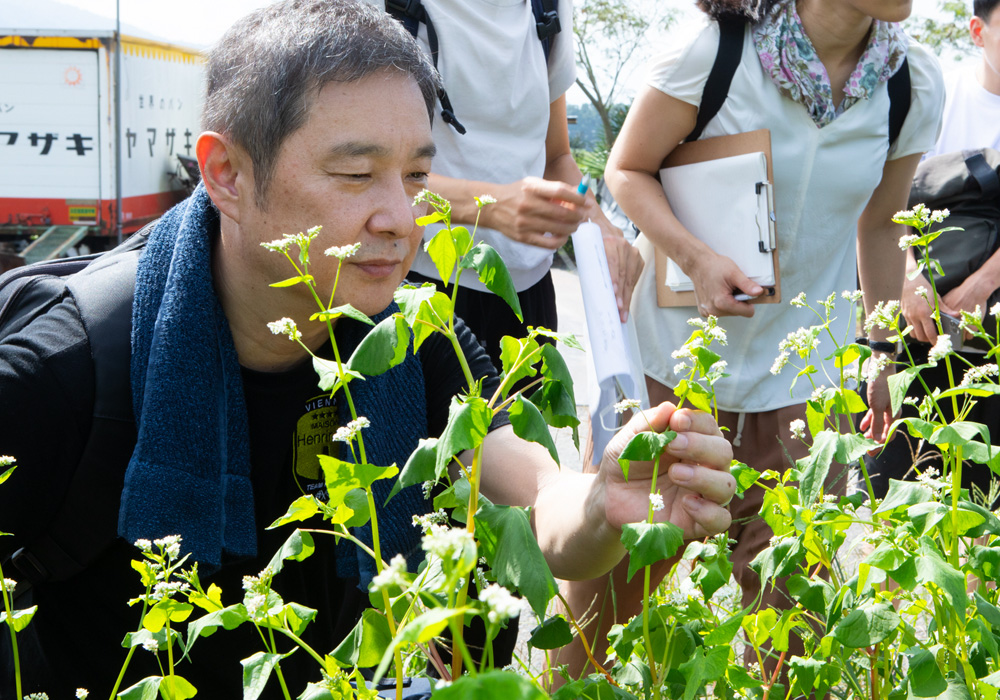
<point>419,175</point>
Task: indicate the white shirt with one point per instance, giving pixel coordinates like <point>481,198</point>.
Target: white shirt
<point>495,73</point>
<point>823,181</point>
<point>971,115</point>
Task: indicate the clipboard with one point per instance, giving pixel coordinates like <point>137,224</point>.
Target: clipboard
<point>706,150</point>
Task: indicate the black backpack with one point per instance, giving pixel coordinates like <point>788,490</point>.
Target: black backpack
<point>967,183</point>
<point>411,13</point>
<point>727,59</point>
<point>102,285</point>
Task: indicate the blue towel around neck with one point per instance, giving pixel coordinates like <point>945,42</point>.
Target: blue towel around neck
<point>190,471</point>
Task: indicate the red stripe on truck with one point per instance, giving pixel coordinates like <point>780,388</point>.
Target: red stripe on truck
<point>137,211</point>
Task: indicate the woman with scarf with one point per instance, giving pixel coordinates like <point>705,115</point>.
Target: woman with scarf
<point>815,73</point>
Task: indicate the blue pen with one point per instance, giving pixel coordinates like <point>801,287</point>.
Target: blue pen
<point>582,187</point>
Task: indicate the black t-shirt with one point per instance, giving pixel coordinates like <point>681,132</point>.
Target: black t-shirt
<point>47,384</point>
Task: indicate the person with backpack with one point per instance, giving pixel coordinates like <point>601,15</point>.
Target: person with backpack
<point>318,112</point>
<point>818,75</point>
<point>506,68</point>
<point>960,173</point>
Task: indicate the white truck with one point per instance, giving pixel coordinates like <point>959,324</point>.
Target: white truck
<point>60,141</point>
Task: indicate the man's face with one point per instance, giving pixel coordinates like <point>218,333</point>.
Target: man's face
<point>354,168</point>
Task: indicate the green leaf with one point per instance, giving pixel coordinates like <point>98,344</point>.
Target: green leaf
<point>7,473</point>
<point>724,633</point>
<point>330,375</point>
<point>903,494</point>
<point>648,543</point>
<point>899,385</point>
<point>644,447</point>
<point>228,618</point>
<point>177,688</point>
<point>745,476</point>
<point>431,218</point>
<point>492,685</point>
<point>852,447</point>
<point>695,394</point>
<point>420,630</point>
<point>302,508</point>
<point>420,467</point>
<point>528,424</point>
<point>424,308</point>
<point>813,595</point>
<point>555,398</point>
<point>867,626</point>
<point>299,546</point>
<point>382,348</point>
<point>932,568</point>
<point>342,477</point>
<point>848,401</point>
<point>551,634</point>
<point>167,609</point>
<point>704,668</point>
<point>441,249</point>
<point>146,689</point>
<point>513,350</point>
<point>366,644</point>
<point>256,670</point>
<point>816,466</point>
<point>925,678</point>
<point>292,281</point>
<point>18,619</point>
<point>493,273</point>
<point>468,424</point>
<point>989,612</point>
<point>959,433</point>
<point>509,544</point>
<point>344,310</point>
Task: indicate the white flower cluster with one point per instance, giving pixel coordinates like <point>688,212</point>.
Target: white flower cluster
<point>995,309</point>
<point>930,477</point>
<point>7,460</point>
<point>392,575</point>
<point>342,252</point>
<point>257,587</point>
<point>906,242</point>
<point>445,542</point>
<point>347,433</point>
<point>875,366</point>
<point>656,500</point>
<point>285,326</point>
<point>798,429</point>
<point>302,240</point>
<point>971,319</point>
<point>500,603</point>
<point>427,522</point>
<point>942,346</point>
<point>852,295</point>
<point>710,327</point>
<point>144,545</point>
<point>151,645</point>
<point>882,316</point>
<point>82,693</point>
<point>171,545</point>
<point>920,216</point>
<point>974,375</point>
<point>799,301</point>
<point>626,405</point>
<point>484,199</point>
<point>801,342</point>
<point>8,584</point>
<point>168,589</point>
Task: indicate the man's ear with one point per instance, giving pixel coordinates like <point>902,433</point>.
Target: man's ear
<point>225,172</point>
<point>976,25</point>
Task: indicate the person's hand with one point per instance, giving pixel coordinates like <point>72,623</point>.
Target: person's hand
<point>716,280</point>
<point>539,212</point>
<point>876,422</point>
<point>624,260</point>
<point>974,291</point>
<point>917,310</point>
<point>693,478</point>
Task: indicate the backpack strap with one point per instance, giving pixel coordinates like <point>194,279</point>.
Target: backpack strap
<point>899,100</point>
<point>732,29</point>
<point>412,13</point>
<point>546,23</point>
<point>78,533</point>
<point>985,176</point>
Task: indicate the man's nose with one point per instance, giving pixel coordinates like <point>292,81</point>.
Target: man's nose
<point>394,214</point>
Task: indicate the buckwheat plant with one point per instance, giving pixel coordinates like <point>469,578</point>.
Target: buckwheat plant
<point>16,620</point>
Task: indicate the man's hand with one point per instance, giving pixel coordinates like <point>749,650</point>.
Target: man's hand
<point>974,291</point>
<point>693,477</point>
<point>624,261</point>
<point>529,209</point>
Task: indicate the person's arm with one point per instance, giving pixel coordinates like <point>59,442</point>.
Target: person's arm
<point>545,211</point>
<point>578,517</point>
<point>880,269</point>
<point>915,308</point>
<point>976,289</point>
<point>655,125</point>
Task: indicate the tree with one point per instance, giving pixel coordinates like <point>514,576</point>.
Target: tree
<point>608,35</point>
<point>950,32</point>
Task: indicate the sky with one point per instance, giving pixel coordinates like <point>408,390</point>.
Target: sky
<point>199,23</point>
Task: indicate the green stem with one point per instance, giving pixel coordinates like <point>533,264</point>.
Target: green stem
<point>131,650</point>
<point>647,637</point>
<point>956,487</point>
<point>277,667</point>
<point>8,606</point>
<point>460,648</point>
<point>457,641</point>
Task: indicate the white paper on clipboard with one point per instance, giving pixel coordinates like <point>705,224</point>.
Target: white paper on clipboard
<point>614,367</point>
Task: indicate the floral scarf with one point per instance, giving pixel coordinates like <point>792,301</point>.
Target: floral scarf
<point>789,57</point>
